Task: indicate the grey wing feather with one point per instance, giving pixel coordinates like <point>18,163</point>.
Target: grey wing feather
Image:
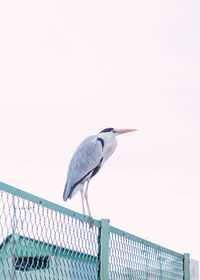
<point>85,159</point>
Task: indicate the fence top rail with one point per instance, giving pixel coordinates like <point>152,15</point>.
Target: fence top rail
<point>25,195</point>
<point>40,201</point>
<point>145,242</point>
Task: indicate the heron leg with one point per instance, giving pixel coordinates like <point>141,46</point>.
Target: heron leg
<point>87,203</point>
<point>82,200</point>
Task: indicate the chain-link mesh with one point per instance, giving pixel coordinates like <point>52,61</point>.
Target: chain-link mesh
<point>132,259</point>
<point>41,240</point>
<point>37,242</point>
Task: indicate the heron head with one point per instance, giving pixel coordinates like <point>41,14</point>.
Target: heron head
<point>115,131</point>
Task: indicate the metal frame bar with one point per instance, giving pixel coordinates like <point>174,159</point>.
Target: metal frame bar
<point>146,242</point>
<point>186,266</point>
<point>46,203</point>
<point>104,249</point>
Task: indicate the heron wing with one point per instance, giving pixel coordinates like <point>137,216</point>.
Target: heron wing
<point>85,160</point>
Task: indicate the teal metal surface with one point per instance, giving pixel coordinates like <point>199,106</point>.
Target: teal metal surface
<point>42,240</point>
<point>104,249</point>
<point>186,266</point>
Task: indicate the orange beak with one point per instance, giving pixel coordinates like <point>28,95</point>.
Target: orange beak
<point>121,131</point>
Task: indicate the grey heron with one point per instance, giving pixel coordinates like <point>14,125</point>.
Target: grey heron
<point>87,161</point>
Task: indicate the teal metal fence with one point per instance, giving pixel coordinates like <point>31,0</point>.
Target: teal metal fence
<point>42,240</point>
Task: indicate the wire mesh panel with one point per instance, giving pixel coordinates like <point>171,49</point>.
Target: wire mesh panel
<point>42,240</point>
<point>133,258</point>
<point>37,242</point>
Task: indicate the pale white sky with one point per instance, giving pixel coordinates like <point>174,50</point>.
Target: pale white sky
<point>69,69</point>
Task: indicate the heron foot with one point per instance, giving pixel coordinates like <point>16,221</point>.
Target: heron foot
<point>91,222</point>
<point>84,217</point>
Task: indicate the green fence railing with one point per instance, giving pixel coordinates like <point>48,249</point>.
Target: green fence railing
<point>42,240</point>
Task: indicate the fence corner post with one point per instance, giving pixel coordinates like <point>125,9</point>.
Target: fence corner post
<point>186,266</point>
<point>104,249</point>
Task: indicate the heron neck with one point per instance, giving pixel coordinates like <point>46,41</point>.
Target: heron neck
<point>110,144</point>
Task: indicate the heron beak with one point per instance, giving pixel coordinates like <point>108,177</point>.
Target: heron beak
<point>121,131</point>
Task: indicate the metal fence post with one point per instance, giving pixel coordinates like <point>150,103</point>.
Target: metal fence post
<point>104,249</point>
<point>186,266</point>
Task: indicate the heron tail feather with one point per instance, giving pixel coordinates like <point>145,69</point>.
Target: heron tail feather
<point>66,192</point>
